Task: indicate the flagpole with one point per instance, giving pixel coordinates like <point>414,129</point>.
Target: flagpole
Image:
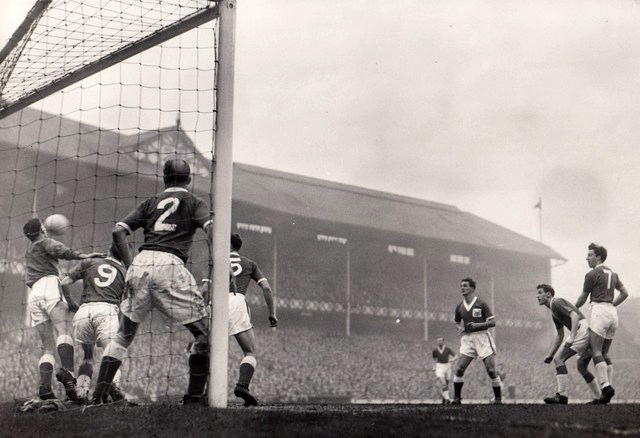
<point>539,207</point>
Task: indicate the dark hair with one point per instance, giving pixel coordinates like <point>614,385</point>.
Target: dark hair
<point>599,251</point>
<point>470,281</point>
<point>177,172</point>
<point>236,242</point>
<point>546,288</point>
<point>32,229</point>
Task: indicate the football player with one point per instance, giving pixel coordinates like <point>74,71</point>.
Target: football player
<point>244,270</point>
<point>50,306</point>
<point>567,315</point>
<point>600,285</point>
<point>158,278</point>
<point>96,321</point>
<point>473,319</point>
<point>442,368</point>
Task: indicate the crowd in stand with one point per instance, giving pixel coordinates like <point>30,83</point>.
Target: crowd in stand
<point>295,363</point>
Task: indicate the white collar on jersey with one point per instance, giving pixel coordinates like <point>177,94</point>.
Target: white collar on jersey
<point>112,259</point>
<point>441,349</point>
<point>470,305</point>
<point>175,189</point>
<point>551,302</point>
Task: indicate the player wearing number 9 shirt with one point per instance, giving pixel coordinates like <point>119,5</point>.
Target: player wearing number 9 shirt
<point>96,321</point>
<point>157,276</point>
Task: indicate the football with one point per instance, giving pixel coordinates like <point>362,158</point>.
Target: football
<point>56,224</point>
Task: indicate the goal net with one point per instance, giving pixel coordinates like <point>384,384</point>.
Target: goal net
<point>94,97</point>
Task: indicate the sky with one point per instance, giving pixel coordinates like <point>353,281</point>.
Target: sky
<point>485,105</point>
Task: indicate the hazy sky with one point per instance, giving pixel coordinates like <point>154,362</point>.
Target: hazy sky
<point>485,105</point>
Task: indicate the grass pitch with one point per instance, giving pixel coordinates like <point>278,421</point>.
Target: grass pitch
<point>322,420</point>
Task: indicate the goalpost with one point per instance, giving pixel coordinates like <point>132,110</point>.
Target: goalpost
<point>89,92</point>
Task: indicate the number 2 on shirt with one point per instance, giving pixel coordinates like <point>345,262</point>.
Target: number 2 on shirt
<point>173,207</point>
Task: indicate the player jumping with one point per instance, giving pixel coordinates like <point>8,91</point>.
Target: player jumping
<point>49,308</point>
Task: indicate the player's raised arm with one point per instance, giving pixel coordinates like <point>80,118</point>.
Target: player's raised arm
<point>119,235</point>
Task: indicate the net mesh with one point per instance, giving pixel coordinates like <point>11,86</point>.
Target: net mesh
<point>92,151</point>
<point>61,37</point>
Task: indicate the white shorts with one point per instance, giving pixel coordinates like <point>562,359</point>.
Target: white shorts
<point>239,314</point>
<point>96,323</point>
<point>159,280</point>
<point>477,345</point>
<point>581,342</point>
<point>43,297</point>
<point>603,319</point>
<point>443,371</point>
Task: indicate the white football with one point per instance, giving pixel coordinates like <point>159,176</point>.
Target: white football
<point>56,224</point>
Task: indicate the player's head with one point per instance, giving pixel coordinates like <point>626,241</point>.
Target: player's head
<point>236,242</point>
<point>597,254</point>
<point>440,342</point>
<point>544,293</point>
<point>33,229</point>
<point>177,173</point>
<point>467,286</point>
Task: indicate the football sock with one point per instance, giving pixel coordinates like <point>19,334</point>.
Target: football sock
<point>601,373</point>
<point>593,386</point>
<point>445,394</point>
<point>85,372</point>
<point>247,368</point>
<point>198,373</point>
<point>609,373</point>
<point>108,368</point>
<point>562,383</point>
<point>496,384</point>
<point>65,351</point>
<point>46,368</point>
<point>457,386</point>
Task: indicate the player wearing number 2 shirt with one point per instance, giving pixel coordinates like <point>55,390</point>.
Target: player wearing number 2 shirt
<point>96,321</point>
<point>600,284</point>
<point>157,276</point>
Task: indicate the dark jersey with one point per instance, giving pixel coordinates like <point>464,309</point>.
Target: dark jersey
<point>561,312</point>
<point>442,356</point>
<point>477,311</point>
<point>102,280</point>
<point>601,283</point>
<point>169,220</point>
<point>244,270</point>
<point>42,258</point>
